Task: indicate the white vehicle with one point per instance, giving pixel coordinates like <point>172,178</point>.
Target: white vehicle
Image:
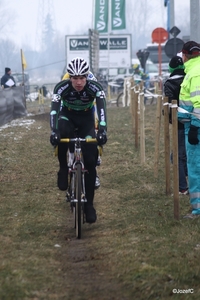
<point>20,79</point>
<point>123,72</point>
<point>151,69</point>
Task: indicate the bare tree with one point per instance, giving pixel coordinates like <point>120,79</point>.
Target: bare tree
<point>9,55</point>
<point>7,18</point>
<point>142,18</point>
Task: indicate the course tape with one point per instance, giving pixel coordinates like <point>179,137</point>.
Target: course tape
<point>181,110</point>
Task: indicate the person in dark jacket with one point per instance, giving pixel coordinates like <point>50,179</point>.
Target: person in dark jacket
<point>172,88</point>
<point>7,79</point>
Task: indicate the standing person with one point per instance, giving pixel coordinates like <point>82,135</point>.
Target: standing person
<point>77,111</point>
<point>189,102</point>
<point>172,88</point>
<point>7,79</point>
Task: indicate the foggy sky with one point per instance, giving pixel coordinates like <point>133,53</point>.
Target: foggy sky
<point>72,17</point>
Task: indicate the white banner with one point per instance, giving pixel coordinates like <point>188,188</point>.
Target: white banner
<point>117,55</point>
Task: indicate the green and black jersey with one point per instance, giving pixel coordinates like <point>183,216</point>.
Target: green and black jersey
<point>65,96</point>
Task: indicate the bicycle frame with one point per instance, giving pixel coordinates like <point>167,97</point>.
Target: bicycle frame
<point>76,187</point>
<point>78,159</point>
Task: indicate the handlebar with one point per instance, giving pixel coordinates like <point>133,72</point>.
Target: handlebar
<point>88,140</point>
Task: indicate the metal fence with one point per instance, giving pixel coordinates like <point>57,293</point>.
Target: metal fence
<point>39,98</point>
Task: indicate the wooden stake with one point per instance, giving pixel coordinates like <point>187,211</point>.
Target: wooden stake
<point>132,104</point>
<point>136,118</point>
<point>142,133</point>
<point>157,133</point>
<point>175,159</point>
<point>167,144</point>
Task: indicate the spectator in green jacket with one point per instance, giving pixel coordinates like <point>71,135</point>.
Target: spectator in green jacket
<point>189,114</point>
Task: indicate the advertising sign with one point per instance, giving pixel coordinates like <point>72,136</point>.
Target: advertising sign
<point>118,20</point>
<point>114,50</point>
<point>101,16</point>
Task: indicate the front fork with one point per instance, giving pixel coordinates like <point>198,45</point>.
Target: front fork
<point>70,195</point>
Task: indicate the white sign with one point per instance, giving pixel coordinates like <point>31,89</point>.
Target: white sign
<point>116,54</point>
<point>10,82</point>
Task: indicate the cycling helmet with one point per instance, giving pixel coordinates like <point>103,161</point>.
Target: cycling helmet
<point>78,67</point>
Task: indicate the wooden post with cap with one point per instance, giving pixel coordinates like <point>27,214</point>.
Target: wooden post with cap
<point>157,133</point>
<point>23,67</point>
<point>175,159</point>
<point>136,117</point>
<point>142,131</point>
<point>167,144</point>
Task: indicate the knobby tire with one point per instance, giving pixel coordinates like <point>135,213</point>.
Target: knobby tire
<point>119,100</point>
<point>78,210</point>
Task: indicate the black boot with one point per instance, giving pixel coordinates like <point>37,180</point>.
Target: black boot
<point>90,213</point>
<point>63,179</point>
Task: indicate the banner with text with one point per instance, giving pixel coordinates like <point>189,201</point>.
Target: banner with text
<point>114,50</point>
<point>118,19</point>
<point>101,16</point>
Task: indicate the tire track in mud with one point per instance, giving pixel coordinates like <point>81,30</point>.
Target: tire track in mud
<point>85,262</point>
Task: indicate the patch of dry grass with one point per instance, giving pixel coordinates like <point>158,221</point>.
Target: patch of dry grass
<point>135,250</point>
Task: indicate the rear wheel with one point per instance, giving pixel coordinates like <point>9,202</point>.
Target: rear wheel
<point>78,207</point>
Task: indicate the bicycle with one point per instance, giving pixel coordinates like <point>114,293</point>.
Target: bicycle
<point>119,86</point>
<point>76,182</point>
<point>120,101</point>
<point>120,96</point>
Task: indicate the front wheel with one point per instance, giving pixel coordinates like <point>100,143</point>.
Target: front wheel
<point>78,206</point>
<point>119,100</point>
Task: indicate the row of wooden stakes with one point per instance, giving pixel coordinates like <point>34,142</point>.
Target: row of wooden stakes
<point>135,95</point>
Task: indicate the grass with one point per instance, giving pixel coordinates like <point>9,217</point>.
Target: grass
<point>135,250</point>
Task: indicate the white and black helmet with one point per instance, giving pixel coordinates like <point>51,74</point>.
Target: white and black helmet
<point>78,67</point>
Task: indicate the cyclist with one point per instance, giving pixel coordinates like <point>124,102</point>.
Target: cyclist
<point>90,76</point>
<point>139,75</point>
<point>77,111</point>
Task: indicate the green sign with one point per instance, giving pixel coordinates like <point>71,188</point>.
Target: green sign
<point>118,20</point>
<point>101,16</point>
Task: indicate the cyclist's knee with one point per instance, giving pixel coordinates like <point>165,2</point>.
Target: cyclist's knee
<point>90,157</point>
<point>66,128</point>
